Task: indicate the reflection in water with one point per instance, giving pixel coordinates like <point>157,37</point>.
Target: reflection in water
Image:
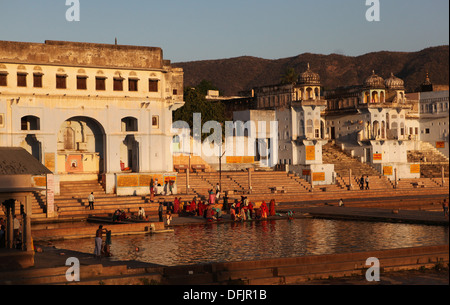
<point>223,242</point>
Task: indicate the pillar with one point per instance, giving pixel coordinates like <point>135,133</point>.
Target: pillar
<point>27,225</point>
<point>250,180</point>
<point>443,176</point>
<point>395,177</point>
<point>9,227</point>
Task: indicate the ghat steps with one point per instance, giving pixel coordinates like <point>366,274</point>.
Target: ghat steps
<point>431,161</point>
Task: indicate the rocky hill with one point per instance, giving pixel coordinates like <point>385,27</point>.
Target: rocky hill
<point>244,73</point>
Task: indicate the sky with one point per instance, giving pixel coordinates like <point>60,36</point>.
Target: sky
<point>191,30</point>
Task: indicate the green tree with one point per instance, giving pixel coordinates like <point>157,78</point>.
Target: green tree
<point>195,102</point>
<point>289,76</point>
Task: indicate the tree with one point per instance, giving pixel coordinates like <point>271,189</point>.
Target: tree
<point>289,76</point>
<point>195,102</point>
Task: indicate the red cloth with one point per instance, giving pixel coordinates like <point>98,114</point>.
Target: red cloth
<point>272,207</point>
<point>193,207</point>
<point>176,205</point>
<point>264,209</point>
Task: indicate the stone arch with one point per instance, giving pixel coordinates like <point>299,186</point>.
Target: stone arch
<point>81,141</point>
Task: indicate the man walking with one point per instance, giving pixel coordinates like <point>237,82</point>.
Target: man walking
<point>91,201</point>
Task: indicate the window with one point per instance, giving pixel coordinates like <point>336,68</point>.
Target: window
<point>2,120</point>
<point>61,81</point>
<point>129,124</point>
<point>153,85</point>
<point>175,91</point>
<point>81,82</point>
<point>155,121</point>
<point>132,84</point>
<point>100,83</point>
<point>427,130</point>
<point>21,79</point>
<point>37,80</point>
<point>30,123</point>
<point>118,84</point>
<point>3,79</point>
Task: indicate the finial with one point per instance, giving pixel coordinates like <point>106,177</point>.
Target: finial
<point>308,66</point>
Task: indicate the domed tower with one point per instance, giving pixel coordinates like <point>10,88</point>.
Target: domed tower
<point>427,85</point>
<point>396,84</point>
<point>374,89</point>
<point>309,85</point>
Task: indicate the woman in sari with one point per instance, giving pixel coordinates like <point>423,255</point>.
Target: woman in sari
<point>193,207</point>
<point>176,205</point>
<point>264,210</point>
<point>272,208</point>
<point>152,190</point>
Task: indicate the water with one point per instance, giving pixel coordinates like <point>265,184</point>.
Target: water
<point>225,242</point>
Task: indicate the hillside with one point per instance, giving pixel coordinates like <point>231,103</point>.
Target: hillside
<point>243,73</point>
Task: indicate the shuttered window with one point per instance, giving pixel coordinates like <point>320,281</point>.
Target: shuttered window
<point>21,79</point>
<point>100,83</point>
<point>37,80</point>
<point>3,79</point>
<point>153,85</point>
<point>81,82</point>
<point>61,81</point>
<point>132,84</point>
<point>118,84</point>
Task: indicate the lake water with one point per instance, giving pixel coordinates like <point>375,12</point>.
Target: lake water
<point>225,242</point>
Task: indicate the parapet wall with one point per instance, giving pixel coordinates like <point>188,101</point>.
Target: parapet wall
<point>81,54</point>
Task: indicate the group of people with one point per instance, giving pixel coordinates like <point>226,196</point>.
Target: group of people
<point>155,188</point>
<point>364,181</point>
<point>243,209</point>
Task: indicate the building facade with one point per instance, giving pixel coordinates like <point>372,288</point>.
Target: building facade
<point>90,110</point>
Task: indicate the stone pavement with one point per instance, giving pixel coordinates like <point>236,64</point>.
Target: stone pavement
<point>373,214</point>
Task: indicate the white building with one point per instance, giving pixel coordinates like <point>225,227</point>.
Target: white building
<point>370,120</point>
<point>91,111</point>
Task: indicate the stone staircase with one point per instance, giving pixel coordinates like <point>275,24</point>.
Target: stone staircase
<point>431,161</point>
<point>332,154</point>
<point>72,202</point>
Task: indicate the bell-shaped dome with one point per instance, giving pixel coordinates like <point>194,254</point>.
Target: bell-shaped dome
<point>394,82</point>
<point>374,81</point>
<point>309,78</point>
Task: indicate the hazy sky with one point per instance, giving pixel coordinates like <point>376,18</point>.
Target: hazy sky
<point>190,30</point>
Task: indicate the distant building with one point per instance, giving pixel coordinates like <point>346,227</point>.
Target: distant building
<point>90,111</point>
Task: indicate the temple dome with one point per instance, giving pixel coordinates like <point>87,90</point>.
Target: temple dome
<point>374,81</point>
<point>394,82</point>
<point>309,78</point>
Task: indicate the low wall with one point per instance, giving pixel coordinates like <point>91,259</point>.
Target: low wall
<point>89,230</point>
<point>300,269</point>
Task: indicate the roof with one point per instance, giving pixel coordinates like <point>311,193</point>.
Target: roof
<point>18,161</point>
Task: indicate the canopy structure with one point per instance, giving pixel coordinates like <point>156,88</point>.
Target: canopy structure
<point>17,167</point>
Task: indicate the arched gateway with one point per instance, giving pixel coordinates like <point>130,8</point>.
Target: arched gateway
<point>81,145</point>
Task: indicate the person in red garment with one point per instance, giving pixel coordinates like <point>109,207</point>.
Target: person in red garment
<point>193,208</point>
<point>264,210</point>
<point>272,208</point>
<point>176,205</point>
